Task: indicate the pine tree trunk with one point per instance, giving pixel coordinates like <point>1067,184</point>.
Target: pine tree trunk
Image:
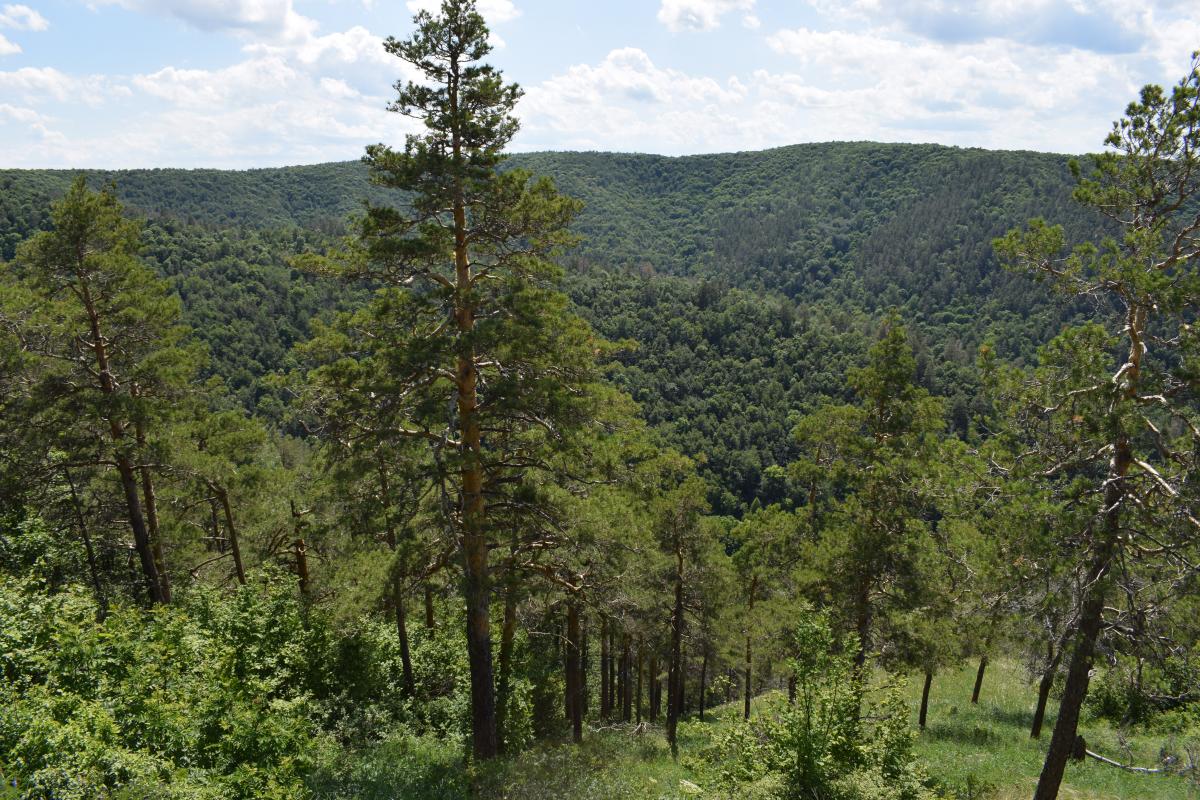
<point>792,690</point>
<point>703,681</point>
<point>748,674</point>
<point>1039,714</point>
<point>93,569</point>
<point>618,698</point>
<point>627,669</point>
<point>583,667</point>
<point>612,673</point>
<point>141,537</point>
<point>862,622</point>
<point>604,656</point>
<point>137,522</point>
<point>508,632</point>
<point>385,496</point>
<point>653,687</point>
<point>565,654</point>
<point>675,671</point>
<point>637,705</point>
<point>302,566</point>
<point>983,662</point>
<point>1062,742</point>
<point>479,641</point>
<point>749,652</point>
<point>218,541</point>
<point>681,695</point>
<point>477,589</point>
<point>574,699</point>
<point>235,548</point>
<point>151,506</point>
<point>1053,659</point>
<point>429,621</point>
<point>1091,618</point>
<point>402,633</point>
<point>925,699</point>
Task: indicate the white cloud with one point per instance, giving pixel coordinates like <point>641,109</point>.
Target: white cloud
<point>355,57</point>
<point>1109,26</point>
<point>493,11</point>
<point>26,115</point>
<point>1012,95</point>
<point>925,77</point>
<point>254,80</point>
<point>339,88</point>
<point>862,69</point>
<point>1172,34</point>
<point>354,46</point>
<point>843,86</point>
<point>296,96</point>
<point>625,102</point>
<point>8,48</point>
<point>273,19</point>
<point>39,85</point>
<point>702,15</point>
<point>37,137</point>
<point>23,18</point>
<point>269,109</point>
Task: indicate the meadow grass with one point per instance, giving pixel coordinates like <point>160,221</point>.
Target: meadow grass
<point>974,752</point>
<point>988,744</point>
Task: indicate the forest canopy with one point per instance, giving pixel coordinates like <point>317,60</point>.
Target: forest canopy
<point>451,471</point>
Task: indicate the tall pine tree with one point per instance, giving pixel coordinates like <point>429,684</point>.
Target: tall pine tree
<point>468,344</point>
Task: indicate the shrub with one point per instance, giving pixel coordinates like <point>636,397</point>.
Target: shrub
<point>834,743</point>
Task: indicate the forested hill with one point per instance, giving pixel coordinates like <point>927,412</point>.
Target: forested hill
<point>782,218</point>
<point>749,280</point>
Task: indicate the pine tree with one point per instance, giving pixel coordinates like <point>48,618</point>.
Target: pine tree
<point>107,353</point>
<point>1108,419</point>
<point>871,464</point>
<point>471,348</point>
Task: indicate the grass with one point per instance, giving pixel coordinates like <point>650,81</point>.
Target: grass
<point>978,752</point>
<point>989,744</point>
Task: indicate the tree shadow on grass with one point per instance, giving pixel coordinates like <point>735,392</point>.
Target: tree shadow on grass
<point>1017,718</point>
<point>961,733</point>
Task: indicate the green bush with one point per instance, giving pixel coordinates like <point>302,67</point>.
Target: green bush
<point>212,697</point>
<point>834,742</point>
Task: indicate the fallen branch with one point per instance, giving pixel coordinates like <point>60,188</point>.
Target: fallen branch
<point>1126,767</point>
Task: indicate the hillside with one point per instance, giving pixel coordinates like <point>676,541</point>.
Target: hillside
<point>748,280</point>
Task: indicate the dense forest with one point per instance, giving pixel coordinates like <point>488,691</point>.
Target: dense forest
<point>747,269</point>
<point>451,473</point>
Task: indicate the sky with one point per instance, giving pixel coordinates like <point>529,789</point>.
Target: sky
<point>257,83</point>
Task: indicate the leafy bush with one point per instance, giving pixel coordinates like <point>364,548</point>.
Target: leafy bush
<point>209,698</point>
<point>1132,692</point>
<point>833,743</point>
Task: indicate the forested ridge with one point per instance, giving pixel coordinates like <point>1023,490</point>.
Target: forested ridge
<point>770,264</point>
<point>830,472</point>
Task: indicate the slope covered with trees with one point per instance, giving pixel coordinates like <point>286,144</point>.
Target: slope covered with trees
<point>743,278</point>
<point>294,505</point>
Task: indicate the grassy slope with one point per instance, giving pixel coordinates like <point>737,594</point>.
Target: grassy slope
<point>987,745</point>
<point>991,741</point>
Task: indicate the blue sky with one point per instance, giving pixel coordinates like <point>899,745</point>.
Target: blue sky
<point>245,83</point>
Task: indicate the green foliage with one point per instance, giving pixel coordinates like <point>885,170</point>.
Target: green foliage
<point>786,256</point>
<point>401,766</point>
<point>868,470</point>
<point>834,742</point>
<point>217,696</point>
<point>455,411</point>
